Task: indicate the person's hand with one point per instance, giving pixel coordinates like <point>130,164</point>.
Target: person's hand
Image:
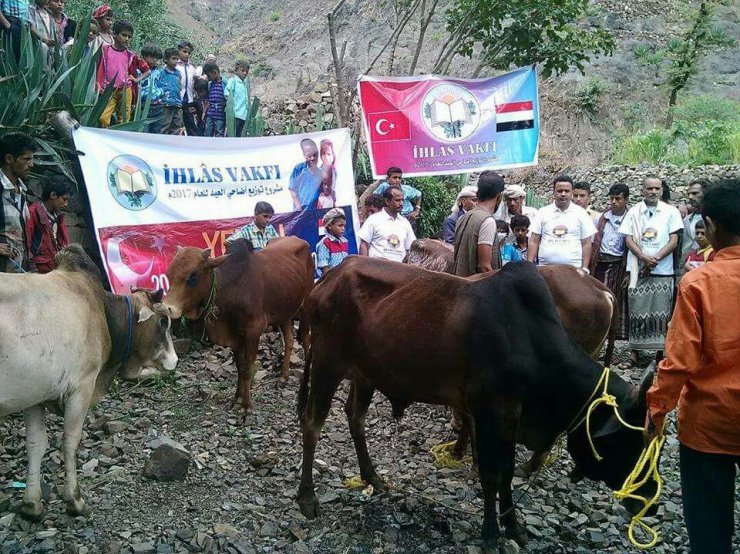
<point>5,250</point>
<point>49,42</point>
<point>651,430</point>
<point>6,23</point>
<point>413,215</point>
<point>683,209</point>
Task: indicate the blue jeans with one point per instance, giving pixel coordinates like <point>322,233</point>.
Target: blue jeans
<point>214,127</point>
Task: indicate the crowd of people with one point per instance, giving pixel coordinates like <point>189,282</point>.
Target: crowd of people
<point>182,98</point>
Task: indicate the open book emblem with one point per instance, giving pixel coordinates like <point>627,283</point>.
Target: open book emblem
<point>450,113</point>
<point>131,182</point>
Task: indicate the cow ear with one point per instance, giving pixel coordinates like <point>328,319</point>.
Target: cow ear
<point>145,313</point>
<point>215,262</point>
<point>205,253</point>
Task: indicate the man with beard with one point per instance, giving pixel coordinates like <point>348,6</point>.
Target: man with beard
<point>305,181</point>
<point>16,163</point>
<point>652,230</point>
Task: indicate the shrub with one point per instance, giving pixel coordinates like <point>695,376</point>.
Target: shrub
<point>438,195</point>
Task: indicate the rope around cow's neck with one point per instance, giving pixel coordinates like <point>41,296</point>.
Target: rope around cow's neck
<point>210,313</point>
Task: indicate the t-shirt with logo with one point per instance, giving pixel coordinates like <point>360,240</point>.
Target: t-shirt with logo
<point>389,237</point>
<point>561,233</point>
<point>651,228</point>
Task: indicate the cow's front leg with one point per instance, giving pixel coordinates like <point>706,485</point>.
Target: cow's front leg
<point>36,444</point>
<point>513,528</point>
<point>287,330</point>
<point>75,409</point>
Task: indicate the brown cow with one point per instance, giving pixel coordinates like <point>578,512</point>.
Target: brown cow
<point>239,294</point>
<point>494,348</point>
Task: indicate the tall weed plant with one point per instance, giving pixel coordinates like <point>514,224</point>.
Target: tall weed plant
<point>705,131</point>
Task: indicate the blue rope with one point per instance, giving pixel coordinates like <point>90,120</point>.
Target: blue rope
<point>130,331</point>
<point>16,265</point>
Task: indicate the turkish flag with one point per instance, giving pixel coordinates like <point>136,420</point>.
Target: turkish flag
<point>388,126</point>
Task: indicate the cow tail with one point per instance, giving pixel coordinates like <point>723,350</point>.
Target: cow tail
<point>304,334</point>
<point>613,330</point>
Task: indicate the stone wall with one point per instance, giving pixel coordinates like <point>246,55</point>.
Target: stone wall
<point>601,178</point>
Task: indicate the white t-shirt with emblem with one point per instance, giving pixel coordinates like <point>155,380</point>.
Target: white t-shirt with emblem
<point>651,229</point>
<point>389,238</point>
<point>561,233</point>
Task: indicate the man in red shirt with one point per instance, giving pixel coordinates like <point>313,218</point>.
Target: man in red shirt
<point>46,230</point>
<point>701,374</point>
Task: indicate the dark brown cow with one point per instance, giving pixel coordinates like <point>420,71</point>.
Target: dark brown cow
<point>494,348</point>
<point>585,304</point>
<point>239,294</point>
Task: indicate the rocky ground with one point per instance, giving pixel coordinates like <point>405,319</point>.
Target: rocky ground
<point>238,494</point>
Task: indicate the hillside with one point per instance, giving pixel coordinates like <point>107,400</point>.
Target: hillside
<point>287,43</point>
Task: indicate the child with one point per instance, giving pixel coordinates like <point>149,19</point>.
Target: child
<point>216,113</point>
<point>333,248</point>
<point>327,196</point>
<point>43,28</point>
<point>705,253</point>
<point>520,228</point>
<point>201,106</point>
<point>122,67</point>
<point>238,90</point>
<point>187,85</point>
<point>259,232</point>
<point>373,204</point>
<point>46,231</point>
<point>168,85</point>
<point>149,89</point>
<point>103,17</point>
<point>507,252</point>
<point>64,26</point>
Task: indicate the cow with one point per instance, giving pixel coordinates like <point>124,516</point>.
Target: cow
<point>493,348</point>
<point>239,294</point>
<point>585,304</point>
<point>63,339</point>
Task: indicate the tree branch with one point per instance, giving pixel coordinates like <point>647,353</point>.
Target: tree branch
<point>422,32</point>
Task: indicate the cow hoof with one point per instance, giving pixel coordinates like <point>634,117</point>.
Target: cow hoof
<point>76,507</point>
<point>32,510</point>
<point>309,506</point>
<point>516,533</point>
<point>490,546</point>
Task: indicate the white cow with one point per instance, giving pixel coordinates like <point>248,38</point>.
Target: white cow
<point>62,341</point>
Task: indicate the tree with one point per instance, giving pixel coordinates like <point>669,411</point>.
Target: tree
<point>680,59</point>
<point>504,34</point>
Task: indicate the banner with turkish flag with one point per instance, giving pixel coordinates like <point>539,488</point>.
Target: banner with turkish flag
<point>430,125</point>
<point>150,194</point>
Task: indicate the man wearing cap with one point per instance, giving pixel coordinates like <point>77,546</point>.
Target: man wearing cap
<point>333,248</point>
<point>466,200</point>
<point>513,204</point>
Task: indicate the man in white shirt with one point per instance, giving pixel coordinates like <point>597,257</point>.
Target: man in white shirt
<point>561,231</point>
<point>387,234</point>
<point>652,229</point>
<point>187,86</point>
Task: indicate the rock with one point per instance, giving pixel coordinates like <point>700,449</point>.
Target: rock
<point>509,547</point>
<point>6,521</point>
<point>4,502</point>
<point>269,529</point>
<point>225,530</point>
<point>143,548</point>
<point>114,427</point>
<point>167,463</point>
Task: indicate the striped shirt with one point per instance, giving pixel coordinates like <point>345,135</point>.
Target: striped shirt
<point>330,251</point>
<point>216,100</point>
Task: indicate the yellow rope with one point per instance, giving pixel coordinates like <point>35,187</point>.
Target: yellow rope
<point>443,457</point>
<point>645,469</point>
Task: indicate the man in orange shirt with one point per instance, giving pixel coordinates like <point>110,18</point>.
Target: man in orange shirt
<point>701,373</point>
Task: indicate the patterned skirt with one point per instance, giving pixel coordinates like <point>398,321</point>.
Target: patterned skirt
<point>611,270</point>
<point>650,308</point>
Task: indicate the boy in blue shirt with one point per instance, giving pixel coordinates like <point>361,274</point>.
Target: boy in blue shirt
<point>333,248</point>
<point>238,89</point>
<point>216,112</point>
<point>152,56</point>
<point>168,82</point>
<point>507,251</point>
<point>411,195</point>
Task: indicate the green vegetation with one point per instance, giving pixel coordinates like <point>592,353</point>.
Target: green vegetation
<point>588,96</point>
<point>679,61</point>
<point>438,196</point>
<point>149,18</point>
<point>275,16</point>
<point>705,130</point>
<point>32,94</point>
